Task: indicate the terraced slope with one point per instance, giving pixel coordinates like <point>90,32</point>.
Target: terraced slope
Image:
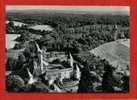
<point>117,52</point>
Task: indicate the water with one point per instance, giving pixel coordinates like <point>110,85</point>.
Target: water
<point>10,43</point>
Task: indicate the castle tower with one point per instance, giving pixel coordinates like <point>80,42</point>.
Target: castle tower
<point>78,73</point>
<point>71,60</point>
<point>39,51</point>
<point>40,55</point>
<point>31,78</point>
<point>57,88</point>
<point>37,70</point>
<point>51,81</point>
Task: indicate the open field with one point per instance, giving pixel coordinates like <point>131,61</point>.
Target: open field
<point>42,27</point>
<point>10,40</point>
<point>117,52</point>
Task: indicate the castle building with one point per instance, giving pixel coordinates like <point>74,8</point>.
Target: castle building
<point>53,72</point>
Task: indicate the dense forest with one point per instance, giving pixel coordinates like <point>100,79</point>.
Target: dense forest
<point>69,20</point>
<point>75,31</point>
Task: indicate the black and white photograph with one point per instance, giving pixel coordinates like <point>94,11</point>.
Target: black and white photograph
<point>67,49</point>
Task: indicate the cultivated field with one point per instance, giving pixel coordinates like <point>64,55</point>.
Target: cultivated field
<point>117,52</point>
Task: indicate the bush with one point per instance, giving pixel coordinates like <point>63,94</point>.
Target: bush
<point>14,83</point>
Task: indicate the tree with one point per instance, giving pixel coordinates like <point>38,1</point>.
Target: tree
<point>14,83</point>
<point>20,62</point>
<point>108,79</point>
<point>125,83</point>
<point>11,64</point>
<point>85,83</point>
<point>11,24</point>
